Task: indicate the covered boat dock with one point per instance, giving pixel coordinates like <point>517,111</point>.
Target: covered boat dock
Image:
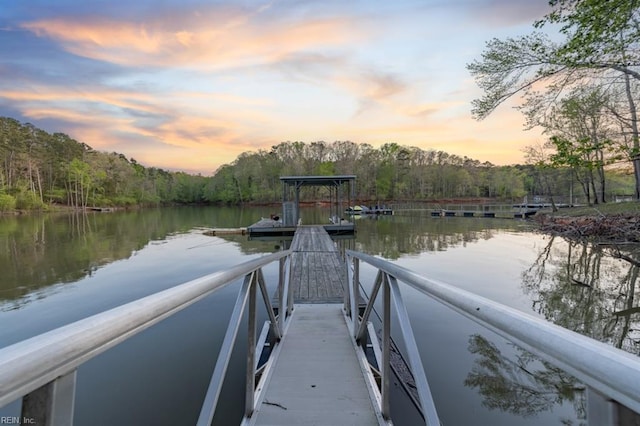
<point>341,192</point>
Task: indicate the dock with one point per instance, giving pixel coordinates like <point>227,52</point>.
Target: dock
<point>285,224</point>
<point>316,377</point>
<point>317,273</point>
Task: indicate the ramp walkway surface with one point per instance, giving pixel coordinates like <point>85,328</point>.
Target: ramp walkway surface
<point>317,379</point>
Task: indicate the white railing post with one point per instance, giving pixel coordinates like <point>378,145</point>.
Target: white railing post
<point>354,296</point>
<point>415,361</point>
<point>290,290</point>
<point>362,328</point>
<point>220,370</point>
<point>251,350</point>
<point>51,404</point>
<point>346,303</point>
<point>277,331</point>
<point>282,309</point>
<point>385,368</point>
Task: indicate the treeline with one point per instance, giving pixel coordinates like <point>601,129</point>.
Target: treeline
<point>393,172</point>
<point>38,169</point>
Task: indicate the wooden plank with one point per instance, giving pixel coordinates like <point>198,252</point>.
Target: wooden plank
<point>317,378</point>
<point>312,238</point>
<point>317,270</point>
<point>321,275</point>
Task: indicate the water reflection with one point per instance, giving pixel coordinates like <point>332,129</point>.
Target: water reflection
<point>39,251</point>
<point>588,288</point>
<point>520,383</point>
<point>392,237</point>
<point>42,250</point>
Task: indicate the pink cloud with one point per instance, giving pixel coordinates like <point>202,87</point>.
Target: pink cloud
<point>216,38</point>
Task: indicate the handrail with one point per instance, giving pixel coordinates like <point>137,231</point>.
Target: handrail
<point>30,364</point>
<point>362,329</point>
<point>608,370</point>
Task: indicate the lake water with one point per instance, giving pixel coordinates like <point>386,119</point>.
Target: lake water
<point>56,269</point>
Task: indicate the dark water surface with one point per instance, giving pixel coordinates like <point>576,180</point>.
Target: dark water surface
<point>56,269</point>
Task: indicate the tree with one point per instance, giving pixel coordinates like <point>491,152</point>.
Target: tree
<point>602,44</point>
<point>80,183</point>
<point>581,136</point>
<point>539,157</point>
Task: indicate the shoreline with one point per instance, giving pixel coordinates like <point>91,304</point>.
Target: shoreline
<point>604,228</point>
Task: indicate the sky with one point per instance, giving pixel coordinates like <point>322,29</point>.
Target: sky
<point>190,84</point>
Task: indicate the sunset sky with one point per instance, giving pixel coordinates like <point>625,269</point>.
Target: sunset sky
<point>190,84</point>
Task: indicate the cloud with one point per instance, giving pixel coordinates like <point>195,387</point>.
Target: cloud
<point>505,12</point>
<point>194,83</point>
<point>216,38</point>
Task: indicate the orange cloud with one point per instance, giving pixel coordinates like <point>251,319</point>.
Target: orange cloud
<point>212,39</point>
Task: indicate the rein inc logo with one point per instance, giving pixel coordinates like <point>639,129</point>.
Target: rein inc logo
<point>17,420</point>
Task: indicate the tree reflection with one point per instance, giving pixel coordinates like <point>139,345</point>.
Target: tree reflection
<point>394,236</point>
<point>391,237</point>
<point>37,252</point>
<point>588,288</point>
<point>521,383</point>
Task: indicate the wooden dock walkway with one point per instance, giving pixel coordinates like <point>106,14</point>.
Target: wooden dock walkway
<point>316,378</point>
<point>317,273</point>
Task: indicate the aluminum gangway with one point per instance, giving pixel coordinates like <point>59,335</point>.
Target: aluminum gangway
<point>41,371</point>
<point>318,375</point>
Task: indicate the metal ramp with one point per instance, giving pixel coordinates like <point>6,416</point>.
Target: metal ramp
<point>316,378</point>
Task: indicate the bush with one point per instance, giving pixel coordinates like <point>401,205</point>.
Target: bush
<point>124,201</point>
<point>29,201</point>
<point>7,203</point>
<point>56,196</point>
<point>100,201</point>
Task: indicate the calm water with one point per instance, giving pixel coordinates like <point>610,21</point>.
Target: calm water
<point>55,269</point>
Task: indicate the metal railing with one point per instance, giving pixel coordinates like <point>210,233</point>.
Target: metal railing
<point>42,370</point>
<point>363,333</point>
<point>612,375</point>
